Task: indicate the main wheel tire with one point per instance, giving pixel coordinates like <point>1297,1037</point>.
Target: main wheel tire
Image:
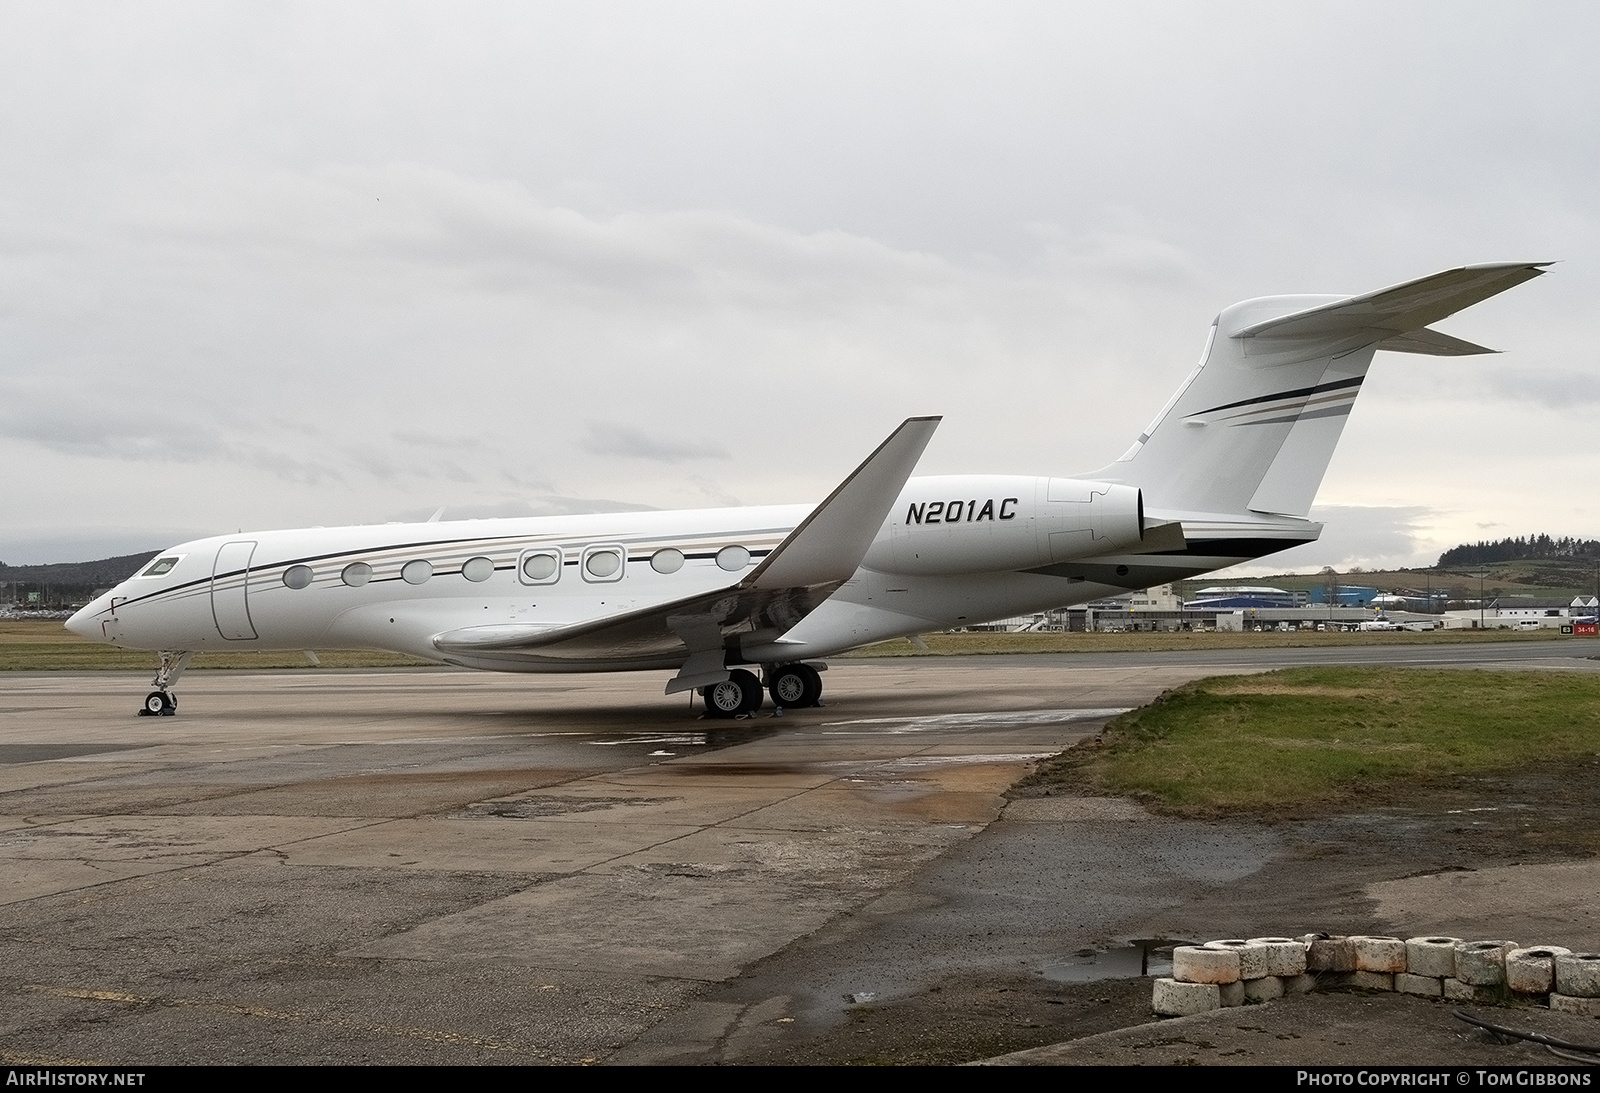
<point>723,699</point>
<point>796,687</point>
<point>751,686</point>
<point>739,694</point>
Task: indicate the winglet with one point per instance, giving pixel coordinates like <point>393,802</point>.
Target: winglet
<point>829,544</point>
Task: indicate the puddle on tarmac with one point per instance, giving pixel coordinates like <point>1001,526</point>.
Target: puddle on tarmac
<point>1140,956</point>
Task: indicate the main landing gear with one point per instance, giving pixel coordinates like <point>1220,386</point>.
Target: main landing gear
<point>793,687</point>
<point>161,702</point>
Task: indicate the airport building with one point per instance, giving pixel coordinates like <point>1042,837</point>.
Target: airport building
<point>1237,607</point>
<point>1523,615</point>
<point>1244,596</point>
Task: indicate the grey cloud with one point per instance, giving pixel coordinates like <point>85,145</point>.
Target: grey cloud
<point>158,437</point>
<point>610,438</point>
<point>554,505</point>
<point>355,303</point>
<point>422,439</point>
<point>712,492</point>
<point>1557,390</point>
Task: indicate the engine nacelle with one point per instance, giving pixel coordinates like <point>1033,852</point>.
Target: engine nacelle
<point>993,523</point>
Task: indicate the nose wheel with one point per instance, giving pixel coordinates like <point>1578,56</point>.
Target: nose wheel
<point>159,704</point>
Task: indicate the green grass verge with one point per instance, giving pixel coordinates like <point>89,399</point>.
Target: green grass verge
<point>1302,739</point>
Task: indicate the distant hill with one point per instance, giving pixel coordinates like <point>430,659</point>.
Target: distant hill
<point>1519,549</point>
<point>100,574</point>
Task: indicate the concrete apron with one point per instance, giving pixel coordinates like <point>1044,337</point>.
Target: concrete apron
<point>683,868</point>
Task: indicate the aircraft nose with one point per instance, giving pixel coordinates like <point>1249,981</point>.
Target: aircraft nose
<point>83,623</point>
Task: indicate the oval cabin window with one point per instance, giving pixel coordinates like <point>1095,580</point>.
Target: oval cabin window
<point>540,567</point>
<point>603,563</point>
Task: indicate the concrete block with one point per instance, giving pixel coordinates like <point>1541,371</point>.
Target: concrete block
<point>1329,954</point>
<point>1425,985</point>
<point>1384,955</point>
<point>1369,981</point>
<point>1285,955</point>
<point>1578,975</point>
<point>1482,963</point>
<point>1566,1003</point>
<point>1265,989</point>
<point>1232,993</point>
<point>1304,983</point>
<point>1252,957</point>
<point>1457,991</point>
<point>1533,971</point>
<point>1174,999</point>
<point>1197,964</point>
<point>1434,957</point>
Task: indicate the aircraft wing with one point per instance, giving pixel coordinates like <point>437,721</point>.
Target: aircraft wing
<point>805,569</point>
<point>1398,316</point>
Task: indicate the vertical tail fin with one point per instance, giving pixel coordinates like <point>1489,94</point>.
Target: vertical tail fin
<point>1254,425</point>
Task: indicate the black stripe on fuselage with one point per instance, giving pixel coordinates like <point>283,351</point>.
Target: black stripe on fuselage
<point>1338,385</point>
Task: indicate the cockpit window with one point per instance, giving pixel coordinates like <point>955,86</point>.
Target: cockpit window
<point>160,566</point>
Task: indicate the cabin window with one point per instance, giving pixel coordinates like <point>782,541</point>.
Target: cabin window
<point>478,569</point>
<point>602,564</point>
<point>416,572</point>
<point>160,566</point>
<point>733,558</point>
<point>540,567</point>
<point>297,576</point>
<point>667,560</point>
<point>356,574</point>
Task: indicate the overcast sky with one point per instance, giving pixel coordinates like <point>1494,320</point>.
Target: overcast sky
<point>278,264</point>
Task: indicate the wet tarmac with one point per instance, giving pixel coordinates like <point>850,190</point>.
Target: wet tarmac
<point>448,867</point>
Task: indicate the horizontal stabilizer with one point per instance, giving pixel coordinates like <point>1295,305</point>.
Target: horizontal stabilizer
<point>1433,343</point>
<point>1402,308</point>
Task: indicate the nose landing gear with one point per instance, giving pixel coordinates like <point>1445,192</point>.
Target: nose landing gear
<point>161,702</point>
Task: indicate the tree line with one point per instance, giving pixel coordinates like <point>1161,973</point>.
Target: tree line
<point>1519,549</point>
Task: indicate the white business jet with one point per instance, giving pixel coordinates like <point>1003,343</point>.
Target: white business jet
<point>1226,472</point>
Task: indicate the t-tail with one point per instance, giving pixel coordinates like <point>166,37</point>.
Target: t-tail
<point>1249,434</point>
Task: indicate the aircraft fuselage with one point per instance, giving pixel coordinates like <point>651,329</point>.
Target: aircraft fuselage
<point>954,550</point>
